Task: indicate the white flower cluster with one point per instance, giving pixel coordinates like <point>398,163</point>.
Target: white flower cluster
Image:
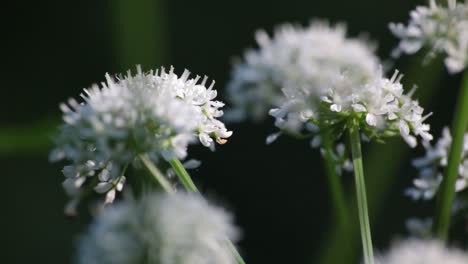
<point>442,29</point>
<point>309,58</point>
<point>159,229</point>
<point>154,113</point>
<point>379,106</point>
<point>431,165</point>
<point>415,251</point>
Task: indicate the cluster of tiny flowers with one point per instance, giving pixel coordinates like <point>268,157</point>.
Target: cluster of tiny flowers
<point>379,106</point>
<point>415,251</point>
<point>159,229</point>
<point>154,113</point>
<point>442,29</point>
<point>303,58</point>
<point>431,167</point>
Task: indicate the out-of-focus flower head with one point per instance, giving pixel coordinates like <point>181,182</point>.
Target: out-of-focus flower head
<point>431,168</point>
<point>414,251</point>
<point>303,58</point>
<point>159,229</point>
<point>156,113</point>
<point>443,29</point>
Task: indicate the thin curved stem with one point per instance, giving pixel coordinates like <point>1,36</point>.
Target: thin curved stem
<point>234,251</point>
<point>191,187</point>
<point>188,184</point>
<point>447,192</point>
<point>361,195</point>
<point>334,182</point>
<point>160,178</point>
<point>183,175</point>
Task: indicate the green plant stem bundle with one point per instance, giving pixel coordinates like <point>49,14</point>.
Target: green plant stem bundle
<point>364,224</point>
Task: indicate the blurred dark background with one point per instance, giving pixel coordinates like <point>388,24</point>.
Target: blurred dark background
<point>53,49</point>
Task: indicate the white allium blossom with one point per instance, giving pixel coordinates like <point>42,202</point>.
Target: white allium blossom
<point>377,105</point>
<point>414,251</point>
<point>441,29</point>
<point>156,113</point>
<point>431,168</point>
<point>159,229</point>
<point>302,58</point>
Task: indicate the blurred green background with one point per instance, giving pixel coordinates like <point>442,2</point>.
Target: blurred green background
<point>53,49</point>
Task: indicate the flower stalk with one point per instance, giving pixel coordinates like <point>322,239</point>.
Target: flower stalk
<point>234,252</point>
<point>334,182</point>
<point>183,175</point>
<point>446,194</point>
<point>159,177</point>
<point>189,186</point>
<point>361,194</point>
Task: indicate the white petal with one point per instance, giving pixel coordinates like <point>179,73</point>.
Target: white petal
<point>272,138</point>
<point>335,108</point>
<point>359,108</point>
<point>371,119</point>
<point>110,196</point>
<point>410,140</point>
<point>205,139</point>
<point>104,175</point>
<point>460,185</point>
<point>192,164</point>
<point>120,184</point>
<point>315,142</point>
<point>404,128</point>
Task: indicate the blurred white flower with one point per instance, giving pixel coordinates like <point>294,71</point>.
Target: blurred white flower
<point>377,105</point>
<point>156,113</point>
<point>431,167</point>
<point>441,29</point>
<point>159,229</point>
<point>301,58</point>
<point>415,251</point>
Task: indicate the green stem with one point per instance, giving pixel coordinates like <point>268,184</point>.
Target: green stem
<point>188,184</point>
<point>447,191</point>
<point>191,187</point>
<point>160,178</point>
<point>334,182</point>
<point>384,161</point>
<point>361,195</point>
<point>234,251</point>
<point>183,175</point>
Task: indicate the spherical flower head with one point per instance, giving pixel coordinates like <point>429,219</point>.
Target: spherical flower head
<point>431,167</point>
<point>300,58</point>
<point>156,113</point>
<point>414,251</point>
<point>441,29</point>
<point>378,107</point>
<point>159,229</point>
